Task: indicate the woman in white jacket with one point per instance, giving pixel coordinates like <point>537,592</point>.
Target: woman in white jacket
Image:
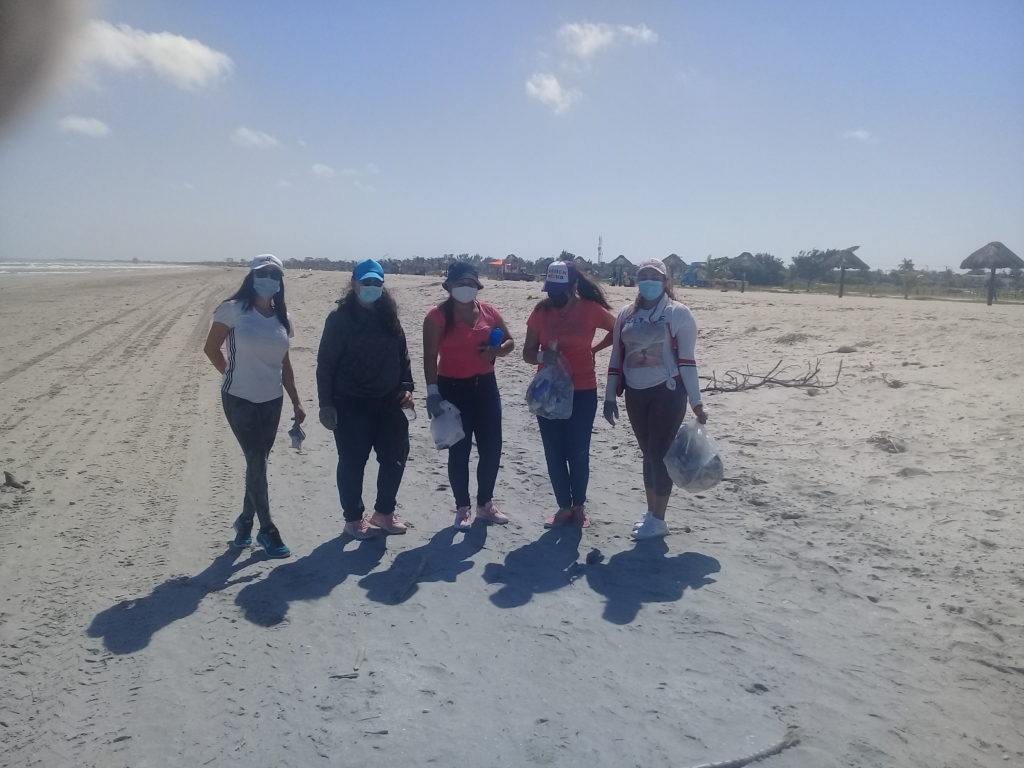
<point>653,362</point>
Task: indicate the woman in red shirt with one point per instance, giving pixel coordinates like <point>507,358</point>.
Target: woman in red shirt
<point>458,365</point>
<point>567,320</point>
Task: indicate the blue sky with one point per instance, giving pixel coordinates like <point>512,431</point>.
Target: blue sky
<point>195,130</point>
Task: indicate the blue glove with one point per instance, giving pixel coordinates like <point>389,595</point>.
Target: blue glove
<point>434,405</point>
<point>611,411</point>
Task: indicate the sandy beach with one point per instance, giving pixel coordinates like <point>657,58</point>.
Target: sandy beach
<point>869,599</point>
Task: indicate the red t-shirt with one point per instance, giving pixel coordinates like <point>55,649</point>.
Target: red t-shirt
<point>459,354</point>
<point>574,331</point>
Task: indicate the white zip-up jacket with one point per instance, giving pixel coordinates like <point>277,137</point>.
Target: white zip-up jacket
<point>654,346</point>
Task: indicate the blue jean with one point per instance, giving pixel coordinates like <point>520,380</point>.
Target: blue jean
<point>479,404</point>
<point>255,427</point>
<point>567,449</point>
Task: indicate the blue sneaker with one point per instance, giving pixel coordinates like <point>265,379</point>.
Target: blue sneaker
<point>270,540</point>
<point>243,533</point>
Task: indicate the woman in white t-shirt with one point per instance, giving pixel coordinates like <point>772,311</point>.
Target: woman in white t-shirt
<point>256,326</point>
<point>653,362</point>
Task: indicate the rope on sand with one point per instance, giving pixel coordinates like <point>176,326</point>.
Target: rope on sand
<point>791,740</point>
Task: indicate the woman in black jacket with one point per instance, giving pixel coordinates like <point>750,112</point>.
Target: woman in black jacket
<point>364,382</point>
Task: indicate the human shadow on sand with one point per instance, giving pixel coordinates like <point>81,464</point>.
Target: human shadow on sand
<point>443,558</point>
<point>311,577</point>
<point>645,575</point>
<point>129,626</point>
<point>544,565</point>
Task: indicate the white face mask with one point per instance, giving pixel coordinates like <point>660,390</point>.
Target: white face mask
<point>370,293</point>
<point>464,294</point>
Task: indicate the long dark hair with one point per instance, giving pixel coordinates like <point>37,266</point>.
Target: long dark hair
<point>247,295</point>
<point>586,289</point>
<point>385,308</point>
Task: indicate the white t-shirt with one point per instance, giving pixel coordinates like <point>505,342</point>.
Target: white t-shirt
<point>642,348</point>
<point>256,348</point>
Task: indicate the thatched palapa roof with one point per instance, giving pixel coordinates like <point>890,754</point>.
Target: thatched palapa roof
<point>995,255</point>
<point>845,259</point>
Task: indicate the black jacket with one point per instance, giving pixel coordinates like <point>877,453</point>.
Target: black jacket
<point>360,357</point>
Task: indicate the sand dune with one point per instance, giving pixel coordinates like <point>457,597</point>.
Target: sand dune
<point>871,599</point>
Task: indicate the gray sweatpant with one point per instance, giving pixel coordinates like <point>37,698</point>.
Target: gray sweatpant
<point>255,427</point>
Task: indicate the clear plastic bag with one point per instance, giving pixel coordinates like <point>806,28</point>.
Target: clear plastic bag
<point>550,393</point>
<point>692,460</point>
<point>446,428</point>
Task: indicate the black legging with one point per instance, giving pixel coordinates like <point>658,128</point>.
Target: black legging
<point>479,404</point>
<point>656,415</point>
<point>255,427</point>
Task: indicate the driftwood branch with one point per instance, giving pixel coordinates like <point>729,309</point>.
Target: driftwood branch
<point>791,740</point>
<point>778,376</point>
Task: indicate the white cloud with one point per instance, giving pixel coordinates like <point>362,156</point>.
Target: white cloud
<point>547,90</point>
<point>349,173</point>
<point>323,171</point>
<point>372,169</point>
<point>250,139</point>
<point>87,126</point>
<point>185,62</point>
<point>585,39</point>
<point>859,134</point>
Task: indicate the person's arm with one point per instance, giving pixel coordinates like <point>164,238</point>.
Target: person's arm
<point>531,347</point>
<point>615,362</point>
<point>607,323</point>
<point>406,385</point>
<point>327,357</point>
<point>288,380</point>
<point>214,343</point>
<point>684,327</point>
<point>432,333</point>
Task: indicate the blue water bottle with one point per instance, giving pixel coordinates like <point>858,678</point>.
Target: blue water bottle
<point>497,337</point>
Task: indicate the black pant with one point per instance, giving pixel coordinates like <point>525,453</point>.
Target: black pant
<point>656,414</point>
<point>365,423</point>
<point>479,404</point>
<point>255,427</point>
<point>567,449</point>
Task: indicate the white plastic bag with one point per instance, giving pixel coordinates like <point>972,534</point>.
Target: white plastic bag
<point>692,460</point>
<point>446,429</point>
<point>550,393</point>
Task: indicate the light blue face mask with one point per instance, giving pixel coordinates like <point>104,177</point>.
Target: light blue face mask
<point>370,293</point>
<point>266,287</point>
<point>650,289</point>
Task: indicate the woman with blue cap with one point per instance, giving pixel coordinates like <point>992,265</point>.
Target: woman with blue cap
<point>563,326</point>
<point>364,381</point>
<point>653,363</point>
<point>462,337</point>
<point>257,328</point>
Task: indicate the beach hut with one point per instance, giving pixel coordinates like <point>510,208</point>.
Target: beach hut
<point>622,270</point>
<point>993,256</point>
<point>741,265</point>
<point>844,260</point>
<point>676,267</point>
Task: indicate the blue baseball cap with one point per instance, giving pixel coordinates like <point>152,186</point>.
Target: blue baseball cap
<point>368,268</point>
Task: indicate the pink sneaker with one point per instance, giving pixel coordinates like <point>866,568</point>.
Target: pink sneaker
<point>580,517</point>
<point>360,529</point>
<point>562,517</point>
<point>463,521</point>
<point>388,523</point>
<point>491,514</point>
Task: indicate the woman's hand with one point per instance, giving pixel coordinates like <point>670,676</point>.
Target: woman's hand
<point>405,399</point>
<point>698,411</point>
<point>300,413</point>
<point>611,411</point>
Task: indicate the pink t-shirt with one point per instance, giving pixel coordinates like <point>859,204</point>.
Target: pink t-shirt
<point>460,346</point>
<point>574,332</point>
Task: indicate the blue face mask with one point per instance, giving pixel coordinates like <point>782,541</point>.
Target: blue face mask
<point>651,289</point>
<point>266,287</point>
<point>370,293</point>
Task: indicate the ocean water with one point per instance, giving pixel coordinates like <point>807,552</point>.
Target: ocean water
<point>15,268</point>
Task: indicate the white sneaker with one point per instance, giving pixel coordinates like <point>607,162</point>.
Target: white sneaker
<point>646,516</point>
<point>651,528</point>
